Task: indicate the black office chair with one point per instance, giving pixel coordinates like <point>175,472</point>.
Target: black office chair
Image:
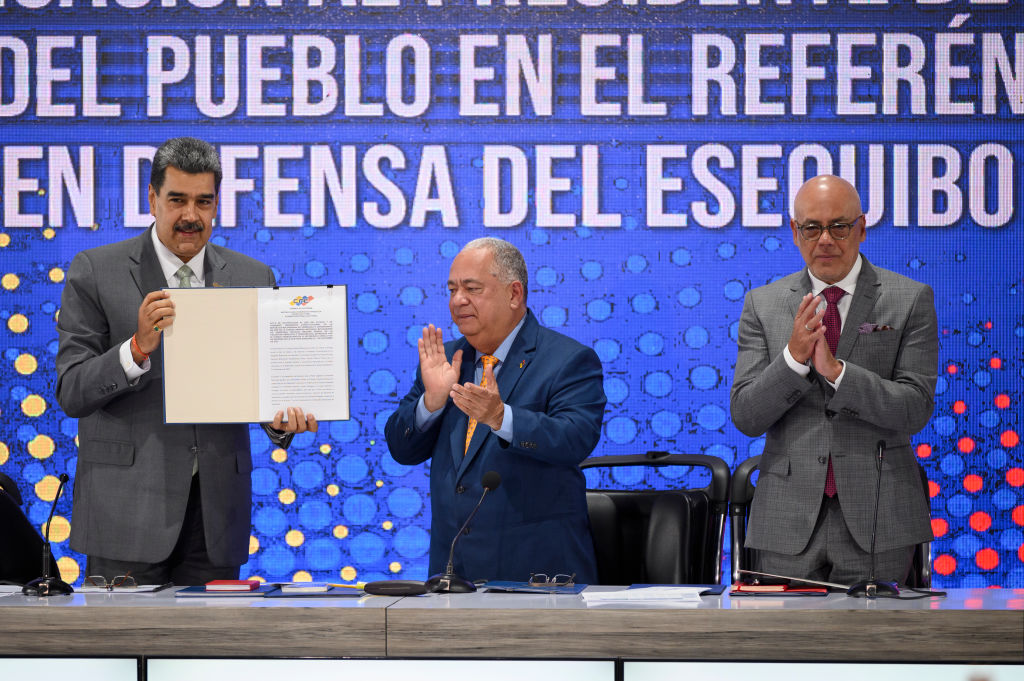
<point>742,492</point>
<point>659,536</point>
<point>21,546</point>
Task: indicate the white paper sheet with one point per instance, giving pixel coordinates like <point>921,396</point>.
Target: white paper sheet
<point>303,351</point>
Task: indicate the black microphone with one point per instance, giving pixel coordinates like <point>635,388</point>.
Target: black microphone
<point>449,582</point>
<point>873,588</point>
<point>48,585</point>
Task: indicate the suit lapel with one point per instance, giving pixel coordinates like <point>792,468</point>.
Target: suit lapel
<point>864,299</point>
<point>801,287</point>
<point>215,269</point>
<point>145,268</point>
<point>461,421</point>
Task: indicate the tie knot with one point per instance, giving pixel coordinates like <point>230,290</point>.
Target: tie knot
<point>489,361</point>
<point>184,275</point>
<point>833,294</point>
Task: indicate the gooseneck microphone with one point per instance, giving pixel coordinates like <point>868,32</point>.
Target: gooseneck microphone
<point>449,582</point>
<point>873,588</point>
<point>48,585</point>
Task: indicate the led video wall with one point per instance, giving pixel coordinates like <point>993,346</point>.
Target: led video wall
<point>642,154</point>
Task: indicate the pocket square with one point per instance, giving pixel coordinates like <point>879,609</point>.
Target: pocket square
<point>868,327</point>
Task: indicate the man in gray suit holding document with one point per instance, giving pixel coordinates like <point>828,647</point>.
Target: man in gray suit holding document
<point>835,361</point>
<point>138,504</point>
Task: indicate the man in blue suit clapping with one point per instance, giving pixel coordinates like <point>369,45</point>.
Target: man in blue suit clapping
<point>510,396</point>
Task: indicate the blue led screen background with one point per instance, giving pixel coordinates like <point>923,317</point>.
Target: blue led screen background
<point>643,157</point>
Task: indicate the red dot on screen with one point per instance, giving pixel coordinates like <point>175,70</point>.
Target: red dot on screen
<point>933,489</point>
<point>939,527</point>
<point>1015,476</point>
<point>945,564</point>
<point>1002,401</point>
<point>996,363</point>
<point>1018,515</point>
<point>1020,553</point>
<point>980,521</point>
<point>924,451</point>
<point>986,559</point>
<point>1009,438</point>
<point>988,325</point>
<point>965,445</point>
<point>959,407</point>
<point>973,483</point>
<point>951,369</point>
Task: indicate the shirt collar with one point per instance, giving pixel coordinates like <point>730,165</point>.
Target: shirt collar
<point>502,352</point>
<point>847,283</point>
<point>170,263</point>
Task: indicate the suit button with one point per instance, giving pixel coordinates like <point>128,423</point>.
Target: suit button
<point>465,531</point>
<point>822,459</point>
<point>460,489</point>
<point>194,449</point>
<point>829,414</point>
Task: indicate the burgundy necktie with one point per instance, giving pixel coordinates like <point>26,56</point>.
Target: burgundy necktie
<point>833,328</point>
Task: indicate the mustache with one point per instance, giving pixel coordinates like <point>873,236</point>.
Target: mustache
<point>189,227</point>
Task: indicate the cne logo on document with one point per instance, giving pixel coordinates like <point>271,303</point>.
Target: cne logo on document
<point>299,301</point>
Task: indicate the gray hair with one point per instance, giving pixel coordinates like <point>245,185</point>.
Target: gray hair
<point>509,261</point>
<point>187,154</point>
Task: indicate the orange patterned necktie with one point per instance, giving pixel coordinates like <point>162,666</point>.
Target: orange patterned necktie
<point>489,361</point>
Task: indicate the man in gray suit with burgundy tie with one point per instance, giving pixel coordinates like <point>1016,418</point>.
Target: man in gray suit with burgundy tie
<point>834,361</point>
<point>138,504</point>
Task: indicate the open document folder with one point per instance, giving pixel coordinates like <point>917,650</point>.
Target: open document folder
<point>239,355</point>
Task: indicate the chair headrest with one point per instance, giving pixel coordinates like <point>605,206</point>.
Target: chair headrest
<point>8,485</point>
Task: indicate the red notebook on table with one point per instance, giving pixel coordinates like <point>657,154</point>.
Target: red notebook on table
<point>233,585</point>
<point>741,589</point>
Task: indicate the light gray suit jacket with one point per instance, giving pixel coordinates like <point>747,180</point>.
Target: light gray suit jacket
<point>887,393</point>
<point>134,471</point>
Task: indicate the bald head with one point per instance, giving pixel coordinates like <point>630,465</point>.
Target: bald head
<point>823,201</point>
<point>826,190</point>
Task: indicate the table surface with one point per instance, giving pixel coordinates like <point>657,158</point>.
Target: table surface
<point>970,625</point>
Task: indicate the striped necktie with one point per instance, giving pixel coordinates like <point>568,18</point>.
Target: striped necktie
<point>833,328</point>
<point>489,361</point>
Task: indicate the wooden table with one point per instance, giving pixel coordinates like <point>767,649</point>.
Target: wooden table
<point>980,625</point>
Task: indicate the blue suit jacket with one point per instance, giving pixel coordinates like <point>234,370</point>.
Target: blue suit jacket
<point>536,521</point>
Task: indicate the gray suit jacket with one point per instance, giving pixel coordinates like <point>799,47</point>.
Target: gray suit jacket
<point>887,393</point>
<point>134,471</point>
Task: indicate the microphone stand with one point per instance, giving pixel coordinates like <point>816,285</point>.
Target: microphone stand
<point>48,585</point>
<point>448,581</point>
<point>872,588</point>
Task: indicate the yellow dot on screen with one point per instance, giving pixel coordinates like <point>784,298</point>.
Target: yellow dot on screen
<point>325,449</point>
<point>48,233</point>
<point>26,364</point>
<point>279,456</point>
<point>340,531</point>
<point>395,567</point>
<point>41,192</point>
<point>348,573</point>
<point>379,483</point>
<point>60,528</point>
<point>5,240</point>
<point>302,576</point>
<point>33,405</point>
<point>46,489</point>
<point>295,538</point>
<point>332,490</point>
<point>10,281</point>
<point>68,568</point>
<point>286,496</point>
<point>387,524</point>
<point>17,323</point>
<point>56,275</point>
<point>4,453</point>
<point>41,447</point>
<point>259,579</point>
<point>254,544</point>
